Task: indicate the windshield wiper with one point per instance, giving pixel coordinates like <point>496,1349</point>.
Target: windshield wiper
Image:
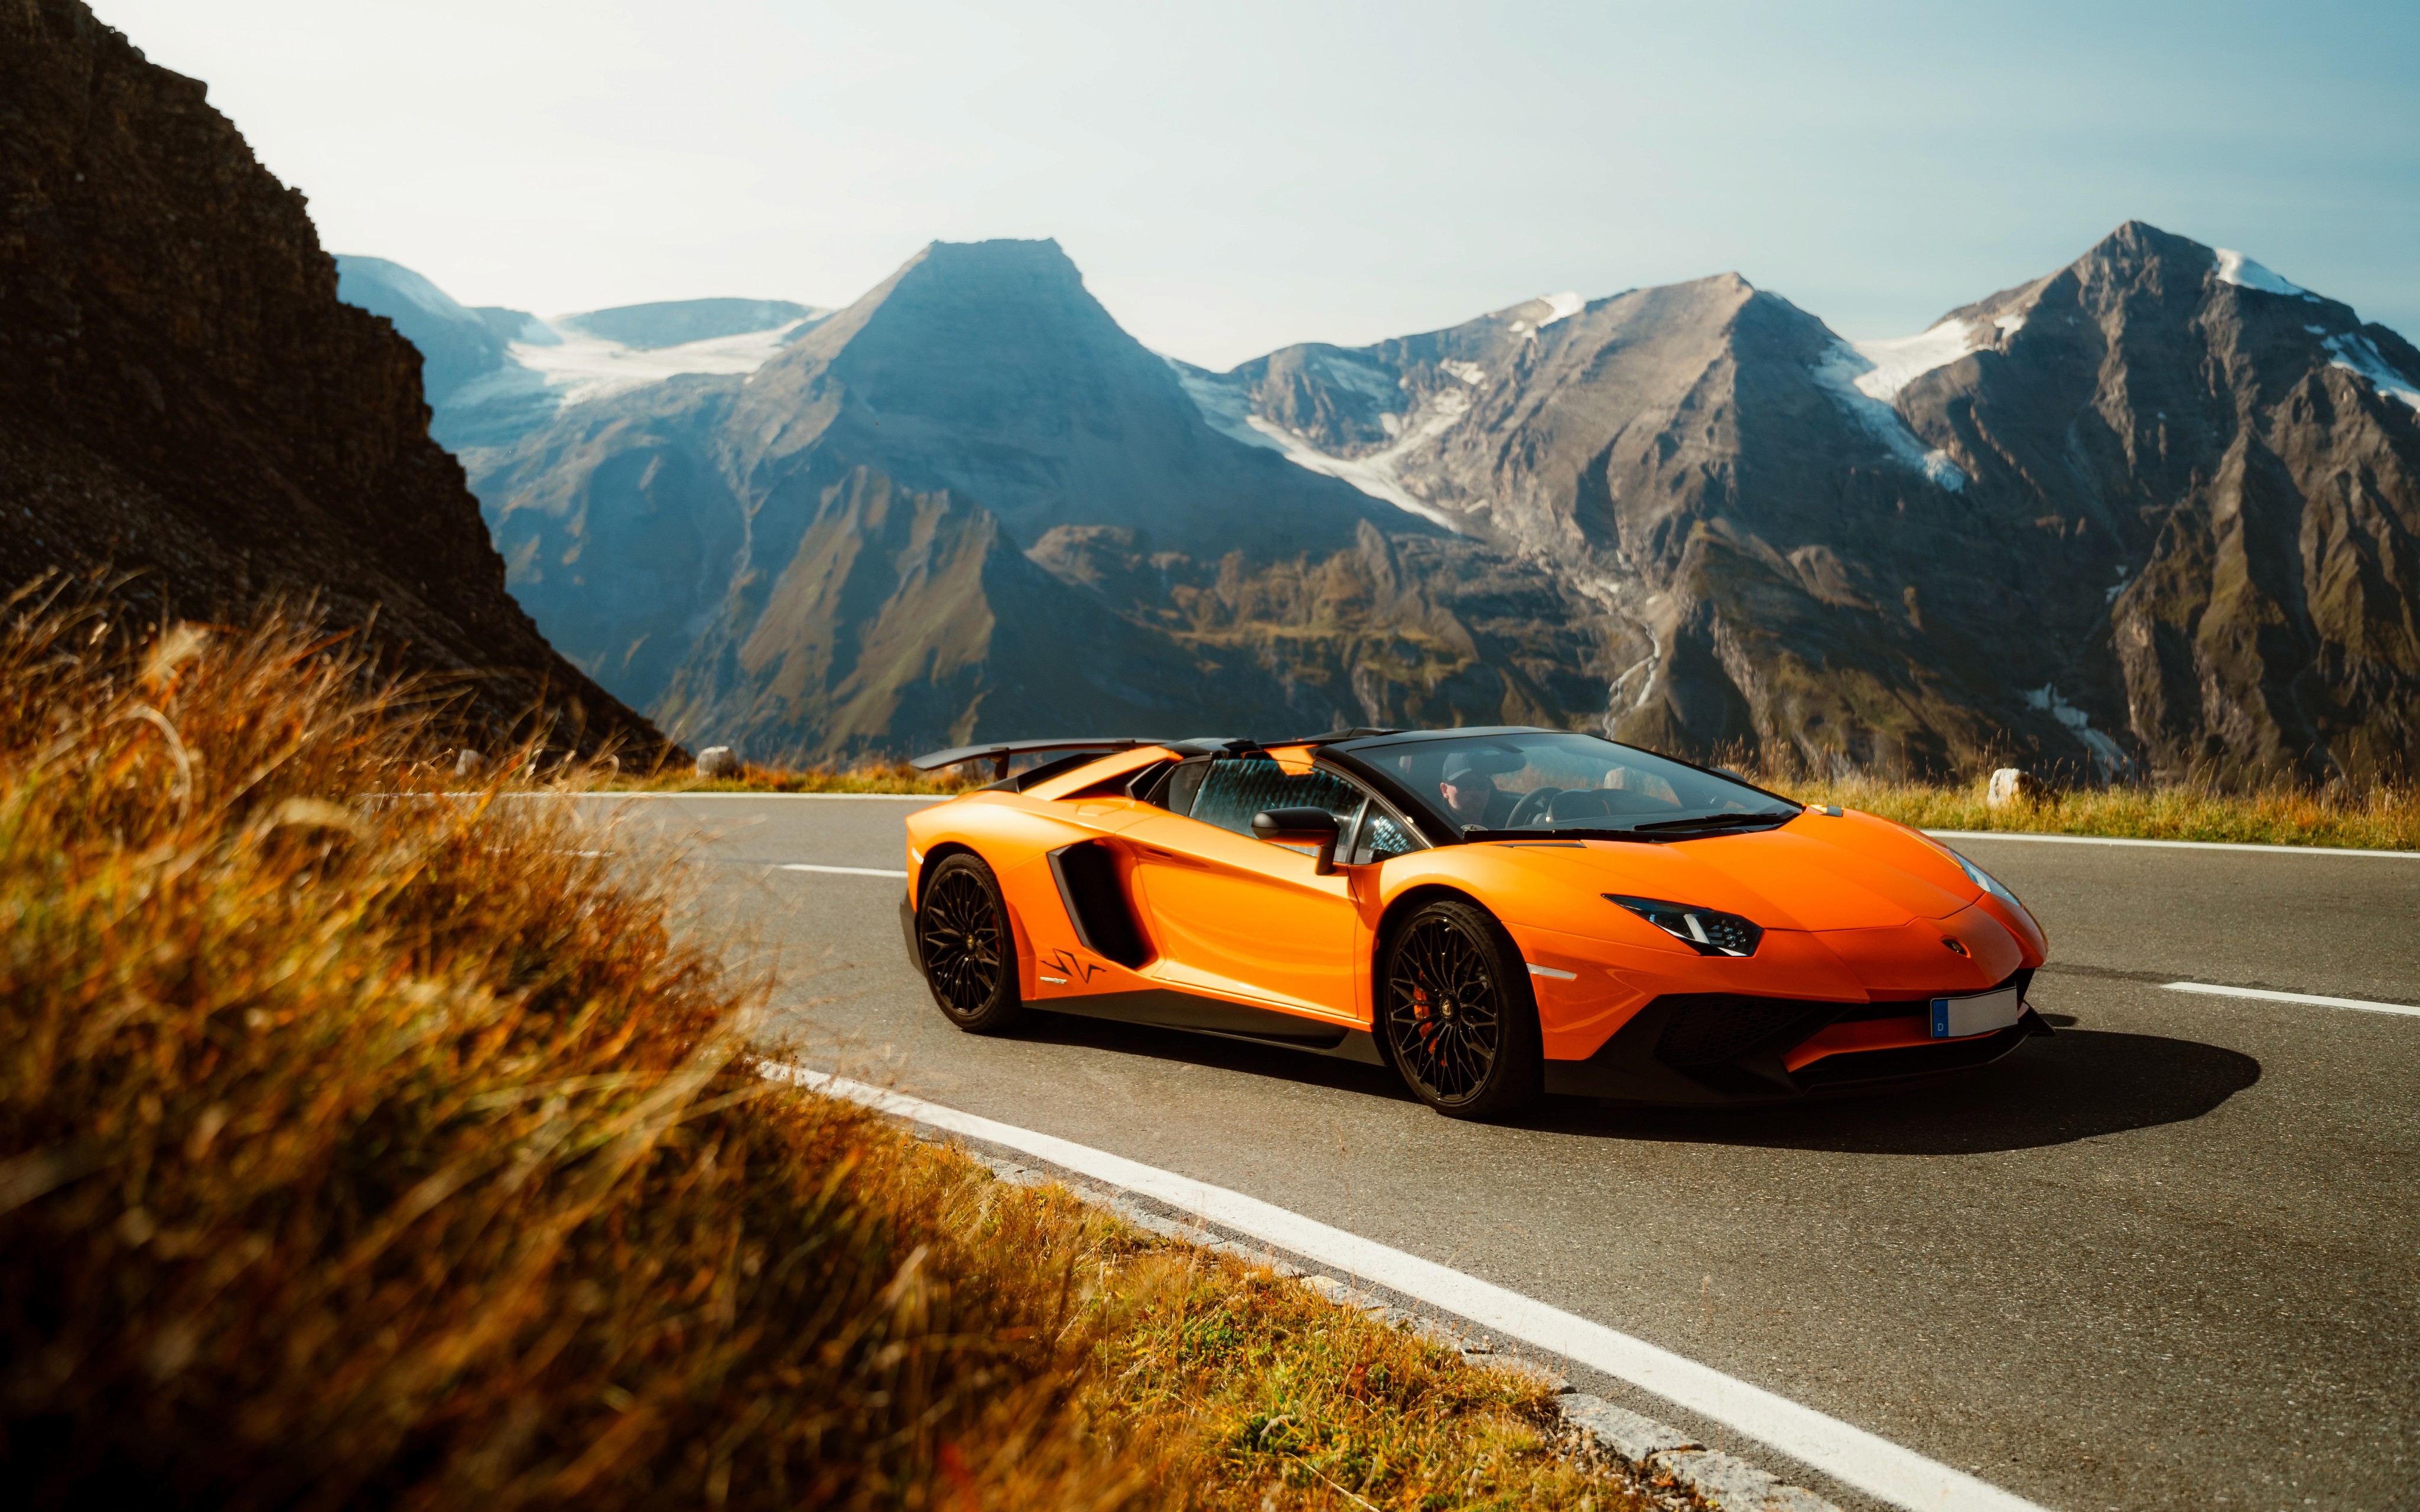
<point>1647,834</point>
<point>1718,821</point>
<point>1542,836</point>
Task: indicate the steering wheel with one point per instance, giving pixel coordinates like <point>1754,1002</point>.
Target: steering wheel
<point>1532,807</point>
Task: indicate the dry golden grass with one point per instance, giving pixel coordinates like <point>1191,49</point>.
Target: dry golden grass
<point>389,1152</point>
<point>1306,1404</point>
<point>2286,813</point>
<point>873,777</point>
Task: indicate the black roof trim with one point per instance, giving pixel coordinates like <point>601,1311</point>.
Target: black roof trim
<point>1393,737</point>
<point>1358,731</point>
<point>1204,745</point>
<point>1001,750</point>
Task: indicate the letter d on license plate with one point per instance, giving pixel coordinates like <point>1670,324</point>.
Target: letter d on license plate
<point>1954,1018</point>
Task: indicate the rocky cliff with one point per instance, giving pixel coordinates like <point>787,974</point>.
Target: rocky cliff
<point>181,391</point>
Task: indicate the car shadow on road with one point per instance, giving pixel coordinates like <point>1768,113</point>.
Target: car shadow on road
<point>2083,1084</point>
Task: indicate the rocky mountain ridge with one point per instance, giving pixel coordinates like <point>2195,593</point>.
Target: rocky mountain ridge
<point>2152,513</point>
<point>1067,478</point>
<point>184,396</point>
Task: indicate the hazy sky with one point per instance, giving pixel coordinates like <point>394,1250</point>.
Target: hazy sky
<point>1235,176</point>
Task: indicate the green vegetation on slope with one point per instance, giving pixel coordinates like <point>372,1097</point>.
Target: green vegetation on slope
<point>393,1151</point>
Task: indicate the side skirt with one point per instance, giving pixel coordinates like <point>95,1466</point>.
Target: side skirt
<point>1167,1009</point>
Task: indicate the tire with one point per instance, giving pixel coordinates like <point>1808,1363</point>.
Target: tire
<point>968,949</point>
<point>1455,1012</point>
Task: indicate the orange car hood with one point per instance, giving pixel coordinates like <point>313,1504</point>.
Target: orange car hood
<point>1812,874</point>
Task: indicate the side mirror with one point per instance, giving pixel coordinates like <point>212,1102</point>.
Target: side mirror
<point>1301,826</point>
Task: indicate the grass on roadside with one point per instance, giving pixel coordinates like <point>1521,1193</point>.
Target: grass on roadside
<point>2286,814</point>
<point>396,1152</point>
<point>873,777</point>
<point>2383,817</point>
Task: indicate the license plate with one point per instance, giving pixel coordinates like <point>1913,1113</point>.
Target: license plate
<point>1954,1018</point>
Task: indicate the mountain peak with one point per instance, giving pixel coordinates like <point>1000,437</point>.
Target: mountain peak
<point>2139,243</point>
<point>980,282</point>
<point>998,258</point>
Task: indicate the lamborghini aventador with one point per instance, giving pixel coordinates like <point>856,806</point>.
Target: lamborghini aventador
<point>1493,913</point>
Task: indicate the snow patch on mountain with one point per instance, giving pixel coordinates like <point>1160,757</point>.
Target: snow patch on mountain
<point>2233,268</point>
<point>1559,307</point>
<point>1892,365</point>
<point>583,368</point>
<point>1228,410</point>
<point>1470,372</point>
<point>567,367</point>
<point>2357,353</point>
<point>1842,372</point>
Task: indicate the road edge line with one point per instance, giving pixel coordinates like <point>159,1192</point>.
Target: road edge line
<point>609,793</point>
<point>2170,844</point>
<point>2264,995</point>
<point>840,871</point>
<point>1851,1455</point>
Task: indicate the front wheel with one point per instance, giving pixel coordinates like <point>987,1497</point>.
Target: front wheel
<point>1459,1021</point>
<point>969,953</point>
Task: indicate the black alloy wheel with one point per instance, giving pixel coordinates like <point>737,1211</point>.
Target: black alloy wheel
<point>969,955</point>
<point>1460,1023</point>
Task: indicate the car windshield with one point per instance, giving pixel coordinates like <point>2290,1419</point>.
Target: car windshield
<point>1547,782</point>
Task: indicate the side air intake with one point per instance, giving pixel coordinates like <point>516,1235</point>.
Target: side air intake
<point>1097,906</point>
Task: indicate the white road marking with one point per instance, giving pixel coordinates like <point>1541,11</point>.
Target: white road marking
<point>843,871</point>
<point>1871,1463</point>
<point>2168,844</point>
<point>2366,1007</point>
<point>893,797</point>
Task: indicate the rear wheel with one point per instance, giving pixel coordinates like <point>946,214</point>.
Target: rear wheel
<point>969,951</point>
<point>1456,1011</point>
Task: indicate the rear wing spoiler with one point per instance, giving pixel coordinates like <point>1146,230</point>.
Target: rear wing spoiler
<point>1000,752</point>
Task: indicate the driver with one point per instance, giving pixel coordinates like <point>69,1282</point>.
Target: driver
<point>1471,796</point>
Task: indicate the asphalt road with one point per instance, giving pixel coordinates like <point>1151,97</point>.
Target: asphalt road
<point>2168,1258</point>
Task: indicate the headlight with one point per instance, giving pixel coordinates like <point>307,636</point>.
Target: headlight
<point>1702,930</point>
<point>1984,880</point>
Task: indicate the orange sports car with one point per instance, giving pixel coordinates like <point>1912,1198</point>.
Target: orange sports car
<point>1494,913</point>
